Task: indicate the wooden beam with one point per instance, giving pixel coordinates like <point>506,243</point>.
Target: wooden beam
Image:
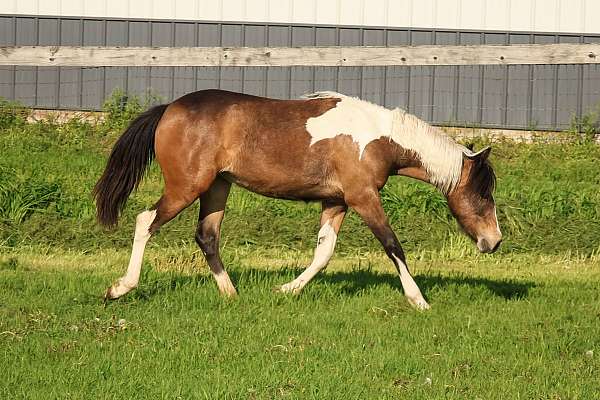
<point>92,56</point>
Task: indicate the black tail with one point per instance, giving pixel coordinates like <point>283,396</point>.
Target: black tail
<point>128,161</point>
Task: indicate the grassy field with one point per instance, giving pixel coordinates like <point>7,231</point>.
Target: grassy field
<point>523,323</point>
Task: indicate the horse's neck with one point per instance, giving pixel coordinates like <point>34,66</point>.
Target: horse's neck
<point>440,157</point>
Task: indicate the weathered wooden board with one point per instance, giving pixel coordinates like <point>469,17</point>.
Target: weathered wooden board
<point>91,56</point>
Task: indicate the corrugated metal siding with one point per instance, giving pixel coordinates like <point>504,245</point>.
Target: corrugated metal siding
<point>507,96</point>
<point>508,15</point>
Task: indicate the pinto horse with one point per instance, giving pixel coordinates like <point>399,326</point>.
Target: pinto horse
<point>324,147</point>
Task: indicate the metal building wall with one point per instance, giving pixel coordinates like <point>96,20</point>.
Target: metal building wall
<point>562,16</point>
<point>506,96</point>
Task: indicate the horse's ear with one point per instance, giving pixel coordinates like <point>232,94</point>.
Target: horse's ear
<point>482,154</point>
<point>470,146</point>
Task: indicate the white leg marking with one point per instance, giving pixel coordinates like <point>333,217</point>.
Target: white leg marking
<point>224,283</point>
<point>131,278</point>
<point>323,252</point>
<point>411,290</point>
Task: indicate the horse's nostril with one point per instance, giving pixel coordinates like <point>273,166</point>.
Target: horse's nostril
<point>497,245</point>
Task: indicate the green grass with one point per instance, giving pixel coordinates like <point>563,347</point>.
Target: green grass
<point>523,323</point>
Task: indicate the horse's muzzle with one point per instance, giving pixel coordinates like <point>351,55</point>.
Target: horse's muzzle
<point>488,246</point>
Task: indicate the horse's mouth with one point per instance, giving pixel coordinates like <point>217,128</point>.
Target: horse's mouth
<point>486,247</point>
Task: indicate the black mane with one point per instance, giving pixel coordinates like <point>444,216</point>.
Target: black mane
<point>483,178</point>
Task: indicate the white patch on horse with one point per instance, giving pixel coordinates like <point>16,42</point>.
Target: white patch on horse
<point>361,120</point>
<point>441,156</point>
<point>411,290</point>
<point>325,246</point>
<point>131,278</point>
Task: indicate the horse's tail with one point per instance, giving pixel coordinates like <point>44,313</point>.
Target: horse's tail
<point>128,161</point>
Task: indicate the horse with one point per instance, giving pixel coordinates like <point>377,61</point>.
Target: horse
<point>325,147</point>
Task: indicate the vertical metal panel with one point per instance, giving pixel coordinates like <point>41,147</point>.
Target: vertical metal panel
<point>545,15</point>
<point>468,84</point>
<point>518,89</point>
<point>571,16</point>
<point>372,85</point>
<point>351,12</point>
<point>446,15</point>
<point>497,14</point>
<point>349,77</point>
<point>278,85</point>
<point>494,89</point>
<point>325,77</point>
<point>590,97</point>
<point>375,12</point>
<point>423,13</point>
<point>7,73</point>
<point>25,77</point>
<point>184,77</point>
<point>421,81</point>
<point>520,18</point>
<point>301,77</point>
<point>542,113</point>
<point>397,77</point>
<point>70,77</point>
<point>138,80</point>
<point>117,34</point>
<point>590,22</point>
<point>208,77</point>
<point>444,83</point>
<point>92,95</point>
<point>48,86</point>
<point>256,10</point>
<point>567,88</point>
<point>161,78</point>
<point>231,77</point>
<point>255,77</point>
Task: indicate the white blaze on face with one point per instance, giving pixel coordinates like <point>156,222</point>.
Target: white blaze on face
<point>497,224</point>
<point>362,121</point>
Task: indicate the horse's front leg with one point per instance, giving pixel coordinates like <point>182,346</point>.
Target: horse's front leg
<point>332,217</point>
<point>368,205</point>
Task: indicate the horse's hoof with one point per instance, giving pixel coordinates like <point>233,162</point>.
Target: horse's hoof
<point>288,288</point>
<point>419,303</point>
<point>109,295</point>
<point>229,293</point>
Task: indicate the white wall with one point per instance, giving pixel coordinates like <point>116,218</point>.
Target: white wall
<point>580,16</point>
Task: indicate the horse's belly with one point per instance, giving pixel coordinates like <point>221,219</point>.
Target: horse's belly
<point>284,186</point>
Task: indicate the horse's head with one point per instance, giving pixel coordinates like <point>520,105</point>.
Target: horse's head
<point>472,201</point>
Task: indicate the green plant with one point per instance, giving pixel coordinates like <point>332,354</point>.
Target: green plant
<point>121,108</point>
<point>12,114</point>
<point>20,198</point>
<point>587,127</point>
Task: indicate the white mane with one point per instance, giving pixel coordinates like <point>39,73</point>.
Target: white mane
<point>441,156</point>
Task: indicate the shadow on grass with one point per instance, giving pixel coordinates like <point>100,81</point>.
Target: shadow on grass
<point>353,282</point>
<point>345,283</point>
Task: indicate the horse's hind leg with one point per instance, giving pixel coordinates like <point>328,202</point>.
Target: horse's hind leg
<point>212,209</point>
<point>170,204</point>
<point>332,217</point>
<point>131,278</point>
